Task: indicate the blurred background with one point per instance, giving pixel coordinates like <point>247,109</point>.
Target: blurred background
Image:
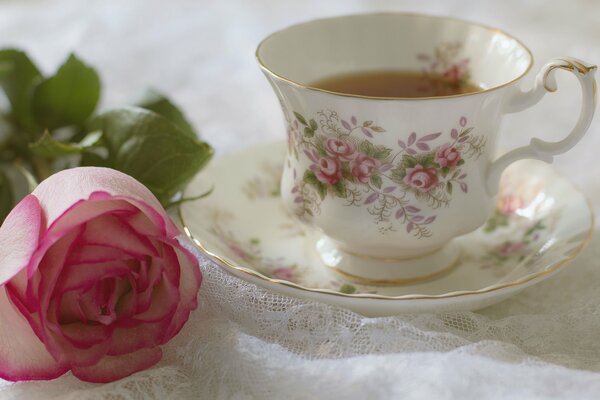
<point>201,54</point>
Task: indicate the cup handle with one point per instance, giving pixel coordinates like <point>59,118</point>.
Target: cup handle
<point>539,149</point>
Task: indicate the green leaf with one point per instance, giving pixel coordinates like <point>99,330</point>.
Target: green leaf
<point>313,125</point>
<point>377,129</point>
<point>322,190</point>
<point>367,148</point>
<point>309,132</point>
<point>466,132</point>
<point>47,146</point>
<point>376,181</point>
<point>367,123</point>
<point>17,78</point>
<point>6,196</point>
<point>310,178</point>
<point>340,189</point>
<point>154,101</point>
<point>409,161</point>
<point>347,288</point>
<point>67,98</point>
<point>300,118</point>
<point>91,159</point>
<point>152,149</point>
<point>381,152</point>
<point>449,187</point>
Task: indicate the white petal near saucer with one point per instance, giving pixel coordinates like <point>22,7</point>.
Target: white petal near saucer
<point>541,224</point>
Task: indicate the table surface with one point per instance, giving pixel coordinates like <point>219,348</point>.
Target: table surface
<point>201,53</point>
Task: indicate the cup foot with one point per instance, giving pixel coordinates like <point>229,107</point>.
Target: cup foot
<point>388,271</point>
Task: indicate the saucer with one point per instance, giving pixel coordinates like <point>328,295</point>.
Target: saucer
<point>540,225</point>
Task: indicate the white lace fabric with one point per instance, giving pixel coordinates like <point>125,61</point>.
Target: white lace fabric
<point>247,343</point>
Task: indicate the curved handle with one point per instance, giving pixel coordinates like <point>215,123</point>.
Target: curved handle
<point>540,149</point>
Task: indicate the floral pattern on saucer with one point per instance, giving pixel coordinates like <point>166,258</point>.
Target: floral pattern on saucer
<point>540,223</point>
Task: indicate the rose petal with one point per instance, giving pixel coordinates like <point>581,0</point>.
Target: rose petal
<point>86,275</point>
<point>63,189</point>
<point>165,298</point>
<point>50,269</point>
<point>108,230</point>
<point>19,237</point>
<point>83,211</point>
<point>144,225</point>
<point>190,281</point>
<point>112,368</point>
<point>73,218</point>
<point>91,254</point>
<point>22,354</point>
<point>134,336</point>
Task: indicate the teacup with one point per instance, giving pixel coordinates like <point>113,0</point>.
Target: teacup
<point>391,181</point>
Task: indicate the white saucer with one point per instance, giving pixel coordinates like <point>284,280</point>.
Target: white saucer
<point>541,224</point>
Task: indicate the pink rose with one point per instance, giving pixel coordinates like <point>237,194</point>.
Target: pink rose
<point>340,148</point>
<point>94,280</point>
<point>421,178</point>
<point>447,156</point>
<point>363,167</point>
<point>455,72</point>
<point>328,170</point>
<point>284,273</point>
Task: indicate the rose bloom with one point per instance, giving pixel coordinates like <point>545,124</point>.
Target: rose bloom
<point>329,170</point>
<point>421,178</point>
<point>447,156</point>
<point>340,148</point>
<point>363,167</point>
<point>93,278</point>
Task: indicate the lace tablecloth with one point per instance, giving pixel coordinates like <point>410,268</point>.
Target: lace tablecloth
<point>246,343</point>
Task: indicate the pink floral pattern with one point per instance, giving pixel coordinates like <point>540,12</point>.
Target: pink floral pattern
<point>402,185</point>
<point>328,170</point>
<point>446,61</point>
<point>523,233</point>
<point>421,178</point>
<point>447,156</point>
<point>363,167</point>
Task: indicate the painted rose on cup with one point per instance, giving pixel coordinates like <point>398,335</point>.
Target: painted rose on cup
<point>363,167</point>
<point>93,279</point>
<point>447,156</point>
<point>328,170</point>
<point>421,178</point>
<point>340,148</point>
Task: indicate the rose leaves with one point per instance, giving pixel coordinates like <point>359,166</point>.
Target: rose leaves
<point>51,124</point>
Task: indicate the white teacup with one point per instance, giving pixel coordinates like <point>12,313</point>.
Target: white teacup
<point>391,181</point>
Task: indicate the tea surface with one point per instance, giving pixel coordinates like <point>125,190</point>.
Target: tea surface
<point>395,84</point>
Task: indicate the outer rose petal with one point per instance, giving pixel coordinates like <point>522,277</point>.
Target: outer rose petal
<point>22,354</point>
<point>190,282</point>
<point>19,237</point>
<point>112,368</point>
<point>63,189</point>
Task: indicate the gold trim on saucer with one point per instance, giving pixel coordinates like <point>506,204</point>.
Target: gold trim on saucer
<point>266,69</point>
<point>548,271</point>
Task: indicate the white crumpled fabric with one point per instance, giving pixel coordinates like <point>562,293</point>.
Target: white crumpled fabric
<point>247,343</point>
